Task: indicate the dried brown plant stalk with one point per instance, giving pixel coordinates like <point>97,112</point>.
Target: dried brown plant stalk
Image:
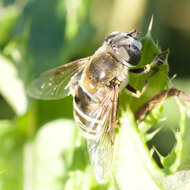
<point>147,107</point>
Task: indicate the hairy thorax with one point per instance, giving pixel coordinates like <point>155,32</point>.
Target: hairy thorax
<point>102,70</point>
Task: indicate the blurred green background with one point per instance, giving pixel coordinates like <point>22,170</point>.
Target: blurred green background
<point>36,35</point>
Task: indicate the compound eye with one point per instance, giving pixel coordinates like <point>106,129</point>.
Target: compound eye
<point>130,54</point>
<point>121,51</point>
<point>134,55</point>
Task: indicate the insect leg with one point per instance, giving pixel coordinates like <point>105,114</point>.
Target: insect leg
<point>154,65</point>
<point>156,62</point>
<point>134,92</point>
<point>113,115</point>
<point>138,93</point>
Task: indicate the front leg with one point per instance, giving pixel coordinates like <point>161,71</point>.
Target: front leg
<point>154,65</point>
<point>138,93</point>
<point>134,92</point>
<point>156,62</point>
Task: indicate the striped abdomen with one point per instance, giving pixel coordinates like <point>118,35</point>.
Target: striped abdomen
<point>89,114</point>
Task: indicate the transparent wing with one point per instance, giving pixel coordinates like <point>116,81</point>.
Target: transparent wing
<point>101,154</point>
<point>101,149</point>
<point>53,84</point>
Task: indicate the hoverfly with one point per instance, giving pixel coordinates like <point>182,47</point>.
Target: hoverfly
<point>95,83</point>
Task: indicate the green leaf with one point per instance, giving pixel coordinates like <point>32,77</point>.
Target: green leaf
<point>181,149</point>
<point>8,17</point>
<point>11,159</point>
<point>134,159</point>
<point>136,169</point>
<point>76,12</point>
<point>43,164</point>
<point>11,86</point>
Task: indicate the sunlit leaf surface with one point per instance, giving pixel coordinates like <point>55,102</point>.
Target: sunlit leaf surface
<point>11,87</point>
